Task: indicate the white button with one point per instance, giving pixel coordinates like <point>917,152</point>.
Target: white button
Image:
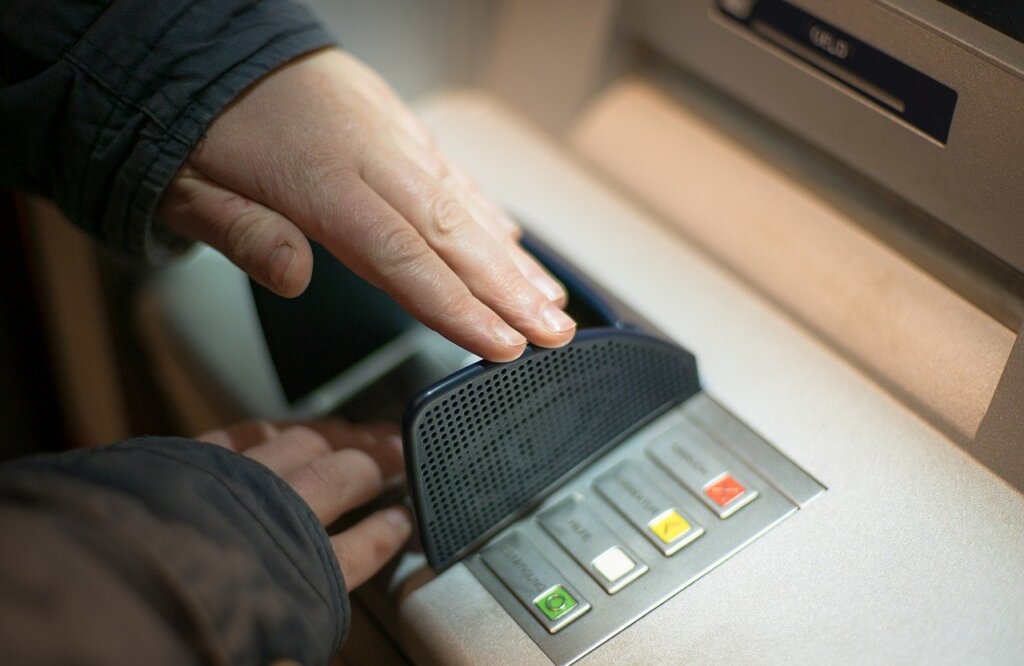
<point>613,564</point>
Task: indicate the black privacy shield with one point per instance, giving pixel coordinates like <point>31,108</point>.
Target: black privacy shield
<point>491,441</point>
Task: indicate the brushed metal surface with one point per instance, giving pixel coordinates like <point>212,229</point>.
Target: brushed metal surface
<point>917,337</point>
<point>635,489</point>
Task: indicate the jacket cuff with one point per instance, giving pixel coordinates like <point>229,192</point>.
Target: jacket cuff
<point>203,530</point>
<point>182,63</point>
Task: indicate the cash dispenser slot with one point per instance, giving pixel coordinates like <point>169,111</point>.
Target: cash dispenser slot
<point>902,91</point>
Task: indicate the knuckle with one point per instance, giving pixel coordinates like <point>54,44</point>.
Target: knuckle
<point>327,472</point>
<point>511,291</point>
<point>401,248</point>
<point>247,229</point>
<point>308,441</point>
<point>326,165</point>
<point>446,216</point>
<point>461,307</point>
<point>260,428</point>
<point>340,470</point>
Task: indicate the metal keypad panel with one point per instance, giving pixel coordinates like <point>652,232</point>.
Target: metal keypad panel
<point>662,509</point>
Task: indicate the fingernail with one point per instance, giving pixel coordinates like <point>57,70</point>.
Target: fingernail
<point>281,260</point>
<point>548,287</point>
<point>555,319</point>
<point>398,517</point>
<point>508,336</point>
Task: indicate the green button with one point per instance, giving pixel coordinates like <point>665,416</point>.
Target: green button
<point>555,603</point>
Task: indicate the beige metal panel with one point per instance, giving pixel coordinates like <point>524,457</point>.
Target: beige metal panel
<point>483,631</point>
<point>912,556</point>
<point>1000,440</point>
<point>921,340</point>
<point>416,46</point>
<point>547,57</point>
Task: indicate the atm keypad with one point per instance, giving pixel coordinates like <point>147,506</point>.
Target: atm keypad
<point>636,527</point>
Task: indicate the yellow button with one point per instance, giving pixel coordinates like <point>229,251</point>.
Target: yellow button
<point>669,526</point>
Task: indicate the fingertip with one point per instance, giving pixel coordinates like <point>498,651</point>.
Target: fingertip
<point>510,344</point>
<point>290,268</point>
<point>398,517</point>
<point>548,286</point>
<point>557,322</point>
<point>564,338</point>
<point>363,549</point>
<point>505,354</point>
<point>508,336</point>
<point>279,267</point>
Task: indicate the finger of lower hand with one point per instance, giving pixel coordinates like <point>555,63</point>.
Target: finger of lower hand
<point>337,482</point>
<point>367,546</point>
<point>293,447</point>
<point>380,441</point>
<point>257,239</point>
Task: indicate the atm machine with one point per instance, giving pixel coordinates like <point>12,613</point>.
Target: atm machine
<point>791,427</point>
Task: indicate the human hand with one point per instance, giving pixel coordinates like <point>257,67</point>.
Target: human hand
<point>334,467</point>
<point>322,148</point>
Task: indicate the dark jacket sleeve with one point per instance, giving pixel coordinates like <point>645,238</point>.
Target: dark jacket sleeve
<point>162,551</point>
<point>101,102</point>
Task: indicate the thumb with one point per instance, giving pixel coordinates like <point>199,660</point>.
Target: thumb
<point>260,241</point>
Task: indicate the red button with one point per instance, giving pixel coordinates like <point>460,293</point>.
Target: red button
<point>725,490</point>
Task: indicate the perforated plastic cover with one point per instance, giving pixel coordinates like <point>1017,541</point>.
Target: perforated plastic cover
<point>490,442</point>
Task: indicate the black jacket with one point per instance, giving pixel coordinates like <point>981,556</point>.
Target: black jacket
<point>162,551</point>
<point>101,102</point>
<point>157,551</point>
